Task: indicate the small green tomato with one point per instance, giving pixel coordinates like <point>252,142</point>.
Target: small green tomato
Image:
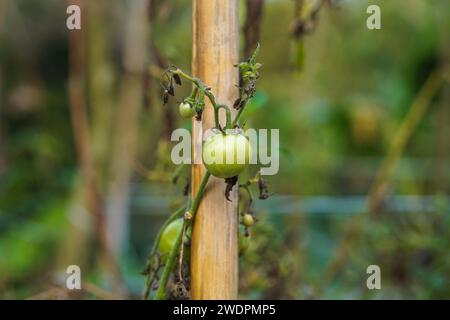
<point>248,220</point>
<point>169,237</point>
<point>186,110</point>
<point>226,155</point>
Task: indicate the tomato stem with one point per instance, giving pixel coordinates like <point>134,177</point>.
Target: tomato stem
<point>238,116</point>
<point>205,91</point>
<point>227,113</point>
<point>250,195</point>
<point>193,93</point>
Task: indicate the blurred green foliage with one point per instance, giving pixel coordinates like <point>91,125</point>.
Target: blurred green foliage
<point>337,118</point>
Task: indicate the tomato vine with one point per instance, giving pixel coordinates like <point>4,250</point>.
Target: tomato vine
<point>191,106</point>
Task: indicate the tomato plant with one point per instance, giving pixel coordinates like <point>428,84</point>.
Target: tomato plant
<point>226,154</point>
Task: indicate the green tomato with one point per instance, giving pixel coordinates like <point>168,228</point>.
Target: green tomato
<point>248,220</point>
<point>226,155</point>
<point>169,237</point>
<point>186,110</point>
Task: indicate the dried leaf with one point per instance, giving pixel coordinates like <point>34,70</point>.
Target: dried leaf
<point>177,79</point>
<point>170,89</point>
<point>165,96</point>
<point>230,184</point>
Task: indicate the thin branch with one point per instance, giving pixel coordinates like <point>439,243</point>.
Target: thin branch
<point>409,125</point>
<point>204,90</point>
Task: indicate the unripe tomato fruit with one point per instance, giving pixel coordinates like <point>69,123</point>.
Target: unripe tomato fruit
<point>216,148</point>
<point>248,220</point>
<point>186,110</point>
<point>169,237</point>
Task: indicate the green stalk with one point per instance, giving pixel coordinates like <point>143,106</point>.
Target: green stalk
<point>193,93</point>
<point>199,84</point>
<point>227,112</point>
<point>249,193</point>
<point>238,116</point>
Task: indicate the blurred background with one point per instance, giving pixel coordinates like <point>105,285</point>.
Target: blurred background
<point>364,119</point>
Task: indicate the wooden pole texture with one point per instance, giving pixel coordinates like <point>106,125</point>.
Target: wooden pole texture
<point>214,260</point>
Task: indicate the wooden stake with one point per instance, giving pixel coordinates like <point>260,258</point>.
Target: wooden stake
<point>214,261</point>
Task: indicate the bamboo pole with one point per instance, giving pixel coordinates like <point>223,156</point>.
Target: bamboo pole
<point>214,260</point>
